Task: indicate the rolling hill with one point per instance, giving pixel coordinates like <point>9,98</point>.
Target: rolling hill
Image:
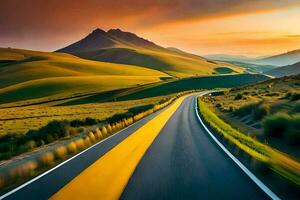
<point>288,58</point>
<point>170,87</point>
<point>288,70</point>
<point>121,47</point>
<point>28,74</point>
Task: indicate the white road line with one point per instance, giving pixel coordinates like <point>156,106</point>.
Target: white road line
<point>57,166</point>
<point>260,184</point>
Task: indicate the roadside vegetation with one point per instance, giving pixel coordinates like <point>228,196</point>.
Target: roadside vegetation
<point>268,111</point>
<point>273,159</point>
<point>60,129</point>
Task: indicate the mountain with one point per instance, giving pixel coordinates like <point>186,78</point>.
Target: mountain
<point>225,57</point>
<point>100,39</point>
<point>285,70</point>
<point>288,58</point>
<point>117,46</point>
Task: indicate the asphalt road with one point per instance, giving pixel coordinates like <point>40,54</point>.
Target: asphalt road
<point>49,184</point>
<point>183,162</point>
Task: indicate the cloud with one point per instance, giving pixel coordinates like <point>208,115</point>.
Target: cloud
<point>36,20</point>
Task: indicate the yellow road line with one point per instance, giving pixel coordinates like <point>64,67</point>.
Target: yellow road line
<point>108,176</point>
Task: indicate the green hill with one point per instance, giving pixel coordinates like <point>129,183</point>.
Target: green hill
<point>117,46</point>
<point>31,74</point>
<point>172,86</point>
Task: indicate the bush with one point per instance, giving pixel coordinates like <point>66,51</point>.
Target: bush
<point>296,108</point>
<point>60,152</point>
<point>244,110</point>
<point>23,170</point>
<point>276,125</point>
<point>47,158</point>
<point>80,144</point>
<point>295,97</point>
<point>98,134</point>
<point>238,96</point>
<point>76,123</point>
<point>90,121</point>
<point>260,111</point>
<point>293,132</point>
<point>104,132</point>
<point>92,136</point>
<point>72,148</point>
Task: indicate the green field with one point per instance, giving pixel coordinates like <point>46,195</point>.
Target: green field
<point>177,64</point>
<point>30,74</point>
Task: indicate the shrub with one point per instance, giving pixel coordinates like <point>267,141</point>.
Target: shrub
<point>47,158</point>
<point>295,97</point>
<point>70,131</point>
<point>244,110</point>
<point>293,132</point>
<point>276,125</point>
<point>60,152</point>
<point>238,96</point>
<point>259,111</point>
<point>98,134</point>
<point>92,137</point>
<point>55,127</point>
<point>87,141</point>
<point>23,170</point>
<point>72,148</point>
<point>109,129</point>
<point>104,132</point>
<point>80,144</point>
<point>296,108</point>
<point>90,121</point>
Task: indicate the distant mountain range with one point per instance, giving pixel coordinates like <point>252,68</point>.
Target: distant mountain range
<point>285,70</point>
<point>117,46</point>
<point>225,57</point>
<point>288,58</point>
<point>279,65</point>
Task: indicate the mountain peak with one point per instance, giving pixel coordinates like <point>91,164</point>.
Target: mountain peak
<point>99,39</point>
<point>98,31</point>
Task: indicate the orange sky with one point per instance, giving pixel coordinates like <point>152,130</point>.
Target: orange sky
<point>248,27</point>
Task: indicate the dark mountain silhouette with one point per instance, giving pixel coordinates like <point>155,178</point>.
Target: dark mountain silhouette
<point>285,70</point>
<point>100,39</point>
<point>288,58</point>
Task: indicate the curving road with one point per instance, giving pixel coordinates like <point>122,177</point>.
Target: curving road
<point>183,162</point>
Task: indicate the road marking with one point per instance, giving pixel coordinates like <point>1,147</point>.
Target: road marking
<point>260,184</point>
<point>59,165</point>
<point>108,176</point>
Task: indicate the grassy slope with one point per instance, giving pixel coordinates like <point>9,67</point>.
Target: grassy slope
<point>169,87</point>
<point>56,73</point>
<point>276,160</point>
<point>268,99</point>
<point>174,63</point>
<point>288,70</point>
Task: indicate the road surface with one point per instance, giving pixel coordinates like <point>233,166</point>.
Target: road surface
<point>176,160</point>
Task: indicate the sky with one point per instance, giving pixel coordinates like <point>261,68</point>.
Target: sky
<point>239,27</point>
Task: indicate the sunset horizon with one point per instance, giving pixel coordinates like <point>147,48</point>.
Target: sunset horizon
<point>257,28</point>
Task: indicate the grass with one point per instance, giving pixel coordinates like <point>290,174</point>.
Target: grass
<point>18,120</point>
<point>276,160</point>
<point>194,83</point>
<point>19,173</point>
<point>176,64</point>
<point>254,108</point>
<point>32,71</point>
